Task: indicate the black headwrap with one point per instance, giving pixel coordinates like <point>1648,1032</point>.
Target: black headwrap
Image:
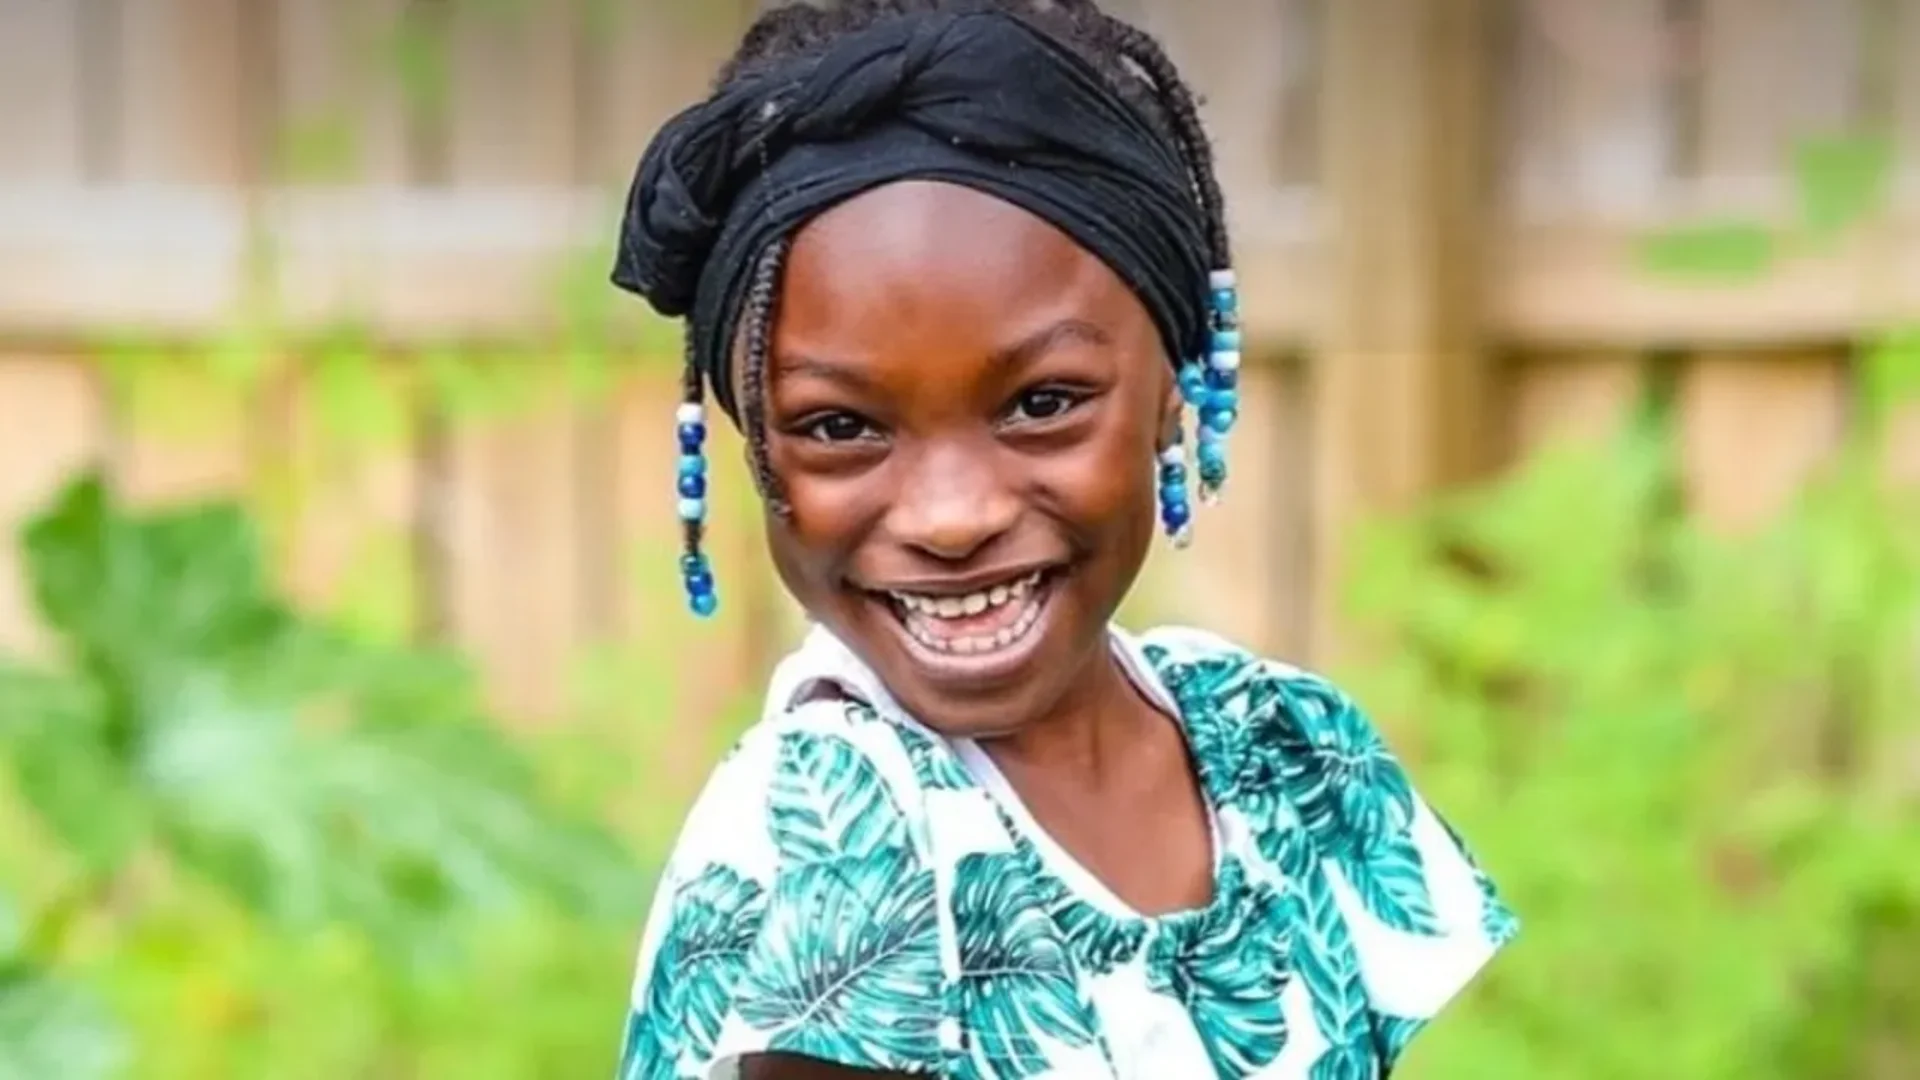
<point>978,98</point>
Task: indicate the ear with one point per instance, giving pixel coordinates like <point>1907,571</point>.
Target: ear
<point>1168,429</point>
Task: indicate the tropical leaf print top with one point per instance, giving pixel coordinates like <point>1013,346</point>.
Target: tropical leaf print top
<point>854,888</point>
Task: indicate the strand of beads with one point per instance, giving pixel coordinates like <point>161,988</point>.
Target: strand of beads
<point>695,572</point>
<point>1176,513</point>
<point>1219,384</point>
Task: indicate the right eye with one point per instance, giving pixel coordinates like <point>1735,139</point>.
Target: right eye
<point>836,427</point>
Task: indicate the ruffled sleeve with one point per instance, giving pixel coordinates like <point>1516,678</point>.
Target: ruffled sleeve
<point>1419,915</point>
<point>798,915</point>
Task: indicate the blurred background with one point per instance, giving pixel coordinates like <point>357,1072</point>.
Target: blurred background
<point>346,696</point>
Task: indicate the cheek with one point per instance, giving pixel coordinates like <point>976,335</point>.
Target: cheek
<point>1106,481</point>
<point>826,519</point>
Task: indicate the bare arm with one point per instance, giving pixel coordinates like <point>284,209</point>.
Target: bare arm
<point>791,1067</point>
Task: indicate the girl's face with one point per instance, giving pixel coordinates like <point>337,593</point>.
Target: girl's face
<point>964,407</point>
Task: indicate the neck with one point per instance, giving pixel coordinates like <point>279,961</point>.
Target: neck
<point>1080,735</point>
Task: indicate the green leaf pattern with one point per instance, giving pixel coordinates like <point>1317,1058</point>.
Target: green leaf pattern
<point>1018,981</point>
<point>833,944</point>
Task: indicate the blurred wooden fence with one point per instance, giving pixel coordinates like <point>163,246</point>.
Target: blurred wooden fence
<point>1437,204</point>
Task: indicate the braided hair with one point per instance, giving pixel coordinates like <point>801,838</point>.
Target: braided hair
<point>1133,62</point>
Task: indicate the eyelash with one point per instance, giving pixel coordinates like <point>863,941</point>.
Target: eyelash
<point>814,428</point>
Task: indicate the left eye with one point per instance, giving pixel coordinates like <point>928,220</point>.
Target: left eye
<point>1042,404</point>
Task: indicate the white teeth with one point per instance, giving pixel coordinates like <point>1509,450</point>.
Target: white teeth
<point>954,607</point>
<point>927,610</point>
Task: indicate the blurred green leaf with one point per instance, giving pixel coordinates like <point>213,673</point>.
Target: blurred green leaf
<point>1840,180</point>
<point>310,776</point>
<point>1712,253</point>
<point>50,1029</point>
<point>1890,371</point>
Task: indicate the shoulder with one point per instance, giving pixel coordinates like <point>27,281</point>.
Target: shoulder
<point>798,913</point>
<point>821,780</point>
<point>1220,683</point>
<point>1385,889</point>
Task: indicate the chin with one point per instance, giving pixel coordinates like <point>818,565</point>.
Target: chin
<point>980,665</point>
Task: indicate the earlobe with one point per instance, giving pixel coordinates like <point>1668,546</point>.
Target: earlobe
<point>1169,433</point>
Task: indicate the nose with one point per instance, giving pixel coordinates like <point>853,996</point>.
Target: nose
<point>952,503</point>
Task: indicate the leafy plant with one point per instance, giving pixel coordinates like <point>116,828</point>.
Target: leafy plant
<point>1681,754</point>
<point>196,723</point>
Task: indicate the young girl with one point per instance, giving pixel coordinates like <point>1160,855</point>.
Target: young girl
<point>956,269</point>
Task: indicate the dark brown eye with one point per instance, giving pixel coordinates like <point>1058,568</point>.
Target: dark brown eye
<point>1042,403</point>
<point>837,427</point>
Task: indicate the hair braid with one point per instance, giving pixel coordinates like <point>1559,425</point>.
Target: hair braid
<point>762,307</point>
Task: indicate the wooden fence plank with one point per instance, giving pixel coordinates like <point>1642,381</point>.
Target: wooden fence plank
<point>511,510</point>
<point>1902,44</point>
<point>185,97</point>
<point>1400,375</point>
<point>1582,397</point>
<point>1773,72</point>
<point>1589,126</point>
<point>339,108</point>
<point>341,488</point>
<point>50,426</point>
<point>181,431</point>
<point>42,125</point>
<point>1234,55</point>
<point>1753,428</point>
<point>513,94</point>
<point>649,62</point>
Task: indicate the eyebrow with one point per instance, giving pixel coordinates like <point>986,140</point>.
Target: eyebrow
<point>1013,356</point>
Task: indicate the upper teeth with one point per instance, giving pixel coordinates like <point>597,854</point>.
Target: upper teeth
<point>973,603</point>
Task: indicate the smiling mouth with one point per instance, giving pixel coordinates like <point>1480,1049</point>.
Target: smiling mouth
<point>978,624</point>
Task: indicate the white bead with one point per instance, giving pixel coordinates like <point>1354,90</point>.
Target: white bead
<point>1221,279</point>
<point>691,412</point>
<point>1173,455</point>
<point>1183,537</point>
<point>1225,360</point>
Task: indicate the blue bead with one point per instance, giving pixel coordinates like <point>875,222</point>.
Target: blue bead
<point>1219,401</point>
<point>1193,381</point>
<point>1226,341</point>
<point>1174,515</point>
<point>1172,473</point>
<point>693,487</point>
<point>1222,378</point>
<point>1173,494</point>
<point>703,604</point>
<point>1226,300</point>
<point>1213,455</point>
<point>1218,420</point>
<point>693,509</point>
<point>693,465</point>
<point>691,437</point>
<point>693,562</point>
<point>699,582</point>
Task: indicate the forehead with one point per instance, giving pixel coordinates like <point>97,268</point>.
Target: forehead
<point>928,266</point>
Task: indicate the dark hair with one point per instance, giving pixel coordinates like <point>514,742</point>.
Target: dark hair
<point>1133,62</point>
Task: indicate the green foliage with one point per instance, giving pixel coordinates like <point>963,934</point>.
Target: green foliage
<point>1690,760</point>
<point>198,742</point>
<point>1839,181</point>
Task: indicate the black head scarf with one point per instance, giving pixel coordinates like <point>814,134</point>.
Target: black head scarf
<point>978,98</point>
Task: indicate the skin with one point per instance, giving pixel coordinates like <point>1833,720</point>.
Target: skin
<point>957,394</point>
